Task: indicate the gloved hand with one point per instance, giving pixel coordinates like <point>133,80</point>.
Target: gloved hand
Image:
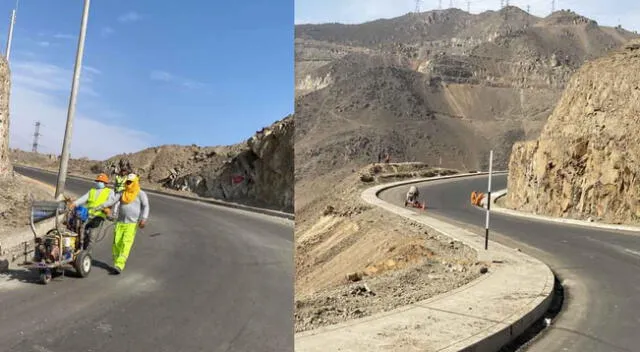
<point>142,224</point>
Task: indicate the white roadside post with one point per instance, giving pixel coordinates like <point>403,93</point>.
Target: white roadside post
<point>486,227</point>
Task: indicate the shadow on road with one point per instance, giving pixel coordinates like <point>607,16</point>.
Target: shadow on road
<point>22,275</point>
<point>29,276</point>
<point>102,265</point>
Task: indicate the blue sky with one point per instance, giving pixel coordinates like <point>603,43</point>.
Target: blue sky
<point>610,13</point>
<point>155,72</point>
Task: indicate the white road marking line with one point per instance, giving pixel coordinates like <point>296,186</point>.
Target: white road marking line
<point>632,252</point>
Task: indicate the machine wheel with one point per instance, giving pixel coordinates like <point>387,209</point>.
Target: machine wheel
<point>83,264</point>
<point>45,276</point>
<point>57,272</point>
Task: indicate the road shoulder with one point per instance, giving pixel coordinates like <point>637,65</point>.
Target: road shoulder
<point>495,207</point>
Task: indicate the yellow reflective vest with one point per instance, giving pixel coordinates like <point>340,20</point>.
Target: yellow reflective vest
<point>95,199</point>
<point>119,185</point>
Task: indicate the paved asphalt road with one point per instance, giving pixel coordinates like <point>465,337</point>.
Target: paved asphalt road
<point>200,278</point>
<point>600,269</point>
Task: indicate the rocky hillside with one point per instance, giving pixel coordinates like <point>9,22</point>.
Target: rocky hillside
<point>586,162</point>
<point>440,85</point>
<point>258,172</point>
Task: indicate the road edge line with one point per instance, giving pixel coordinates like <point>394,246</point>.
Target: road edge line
<point>583,223</point>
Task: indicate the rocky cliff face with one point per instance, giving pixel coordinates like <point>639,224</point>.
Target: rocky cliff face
<point>586,161</point>
<point>257,172</point>
<point>260,172</point>
<point>5,89</point>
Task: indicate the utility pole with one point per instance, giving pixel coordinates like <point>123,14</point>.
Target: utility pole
<point>7,51</point>
<point>506,10</point>
<point>486,227</point>
<point>64,156</point>
<point>36,136</point>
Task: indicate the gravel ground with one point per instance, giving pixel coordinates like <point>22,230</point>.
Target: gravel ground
<point>16,194</point>
<point>354,260</point>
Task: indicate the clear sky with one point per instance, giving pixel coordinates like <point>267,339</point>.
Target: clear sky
<point>155,72</point>
<point>609,13</point>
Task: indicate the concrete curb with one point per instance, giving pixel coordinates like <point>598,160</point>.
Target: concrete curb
<point>238,206</point>
<point>502,323</point>
<point>498,209</point>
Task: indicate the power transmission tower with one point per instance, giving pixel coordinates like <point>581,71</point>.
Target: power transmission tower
<point>553,6</point>
<point>501,3</point>
<point>417,6</point>
<point>36,136</point>
<point>528,9</point>
<point>468,6</point>
<point>439,4</point>
<point>450,4</point>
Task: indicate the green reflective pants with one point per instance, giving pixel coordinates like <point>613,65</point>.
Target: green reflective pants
<point>122,242</point>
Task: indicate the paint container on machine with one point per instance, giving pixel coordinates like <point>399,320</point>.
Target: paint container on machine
<point>67,248</point>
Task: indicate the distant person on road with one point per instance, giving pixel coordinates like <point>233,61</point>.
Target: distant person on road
<point>124,169</point>
<point>97,196</point>
<point>131,210</point>
<point>412,195</point>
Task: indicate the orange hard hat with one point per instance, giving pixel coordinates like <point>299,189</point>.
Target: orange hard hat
<point>103,178</point>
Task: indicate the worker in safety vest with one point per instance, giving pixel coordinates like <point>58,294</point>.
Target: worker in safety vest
<point>124,169</point>
<point>131,211</point>
<point>98,195</point>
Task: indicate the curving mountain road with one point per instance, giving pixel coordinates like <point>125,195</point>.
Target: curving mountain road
<point>600,269</point>
<point>199,278</point>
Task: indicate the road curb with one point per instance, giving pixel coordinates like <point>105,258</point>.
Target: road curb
<point>519,321</point>
<point>490,335</point>
<point>498,209</point>
<point>238,206</point>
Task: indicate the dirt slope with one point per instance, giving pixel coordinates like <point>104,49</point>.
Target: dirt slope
<point>353,260</point>
<point>586,161</point>
<point>437,85</point>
